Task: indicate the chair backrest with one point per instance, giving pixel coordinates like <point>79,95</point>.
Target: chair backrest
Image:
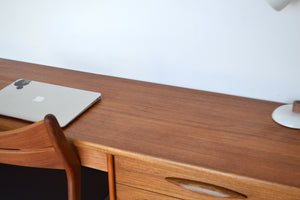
<point>42,145</point>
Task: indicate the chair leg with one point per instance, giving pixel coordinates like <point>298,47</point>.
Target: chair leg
<point>74,184</point>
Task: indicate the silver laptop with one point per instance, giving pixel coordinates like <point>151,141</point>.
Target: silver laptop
<point>32,100</point>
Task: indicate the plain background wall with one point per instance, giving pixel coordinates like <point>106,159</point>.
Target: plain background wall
<point>240,47</point>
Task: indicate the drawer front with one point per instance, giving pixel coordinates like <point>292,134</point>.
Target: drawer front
<point>194,183</point>
<point>130,193</point>
<point>92,158</point>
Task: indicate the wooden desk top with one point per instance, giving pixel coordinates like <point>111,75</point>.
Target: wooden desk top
<point>201,129</point>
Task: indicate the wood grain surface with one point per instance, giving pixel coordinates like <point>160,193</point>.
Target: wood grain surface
<point>200,129</point>
<point>125,193</point>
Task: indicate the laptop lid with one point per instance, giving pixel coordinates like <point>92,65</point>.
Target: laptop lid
<point>32,100</point>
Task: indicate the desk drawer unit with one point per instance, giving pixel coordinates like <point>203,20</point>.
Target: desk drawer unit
<point>192,183</point>
<point>130,193</point>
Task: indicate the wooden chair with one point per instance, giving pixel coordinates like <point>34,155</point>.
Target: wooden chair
<point>42,145</point>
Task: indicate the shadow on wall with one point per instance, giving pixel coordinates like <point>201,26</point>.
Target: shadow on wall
<point>35,184</point>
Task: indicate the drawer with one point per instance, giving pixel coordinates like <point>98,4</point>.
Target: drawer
<point>92,158</point>
<point>186,182</point>
<point>130,193</point>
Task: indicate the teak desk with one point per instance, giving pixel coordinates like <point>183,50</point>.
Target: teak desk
<point>174,143</point>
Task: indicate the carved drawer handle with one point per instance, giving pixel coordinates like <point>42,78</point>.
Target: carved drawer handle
<point>206,188</point>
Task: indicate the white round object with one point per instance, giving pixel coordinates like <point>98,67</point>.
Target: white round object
<point>285,116</point>
<point>278,4</point>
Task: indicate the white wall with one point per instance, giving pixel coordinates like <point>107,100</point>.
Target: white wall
<point>240,47</point>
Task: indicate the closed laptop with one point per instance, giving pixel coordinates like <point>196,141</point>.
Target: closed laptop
<point>32,100</point>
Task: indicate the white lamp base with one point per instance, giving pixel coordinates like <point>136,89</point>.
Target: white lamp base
<point>285,116</point>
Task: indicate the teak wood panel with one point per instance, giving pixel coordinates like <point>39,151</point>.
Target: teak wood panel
<point>29,137</point>
<point>153,176</point>
<point>42,158</point>
<point>92,158</point>
<point>201,129</point>
<point>129,193</point>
